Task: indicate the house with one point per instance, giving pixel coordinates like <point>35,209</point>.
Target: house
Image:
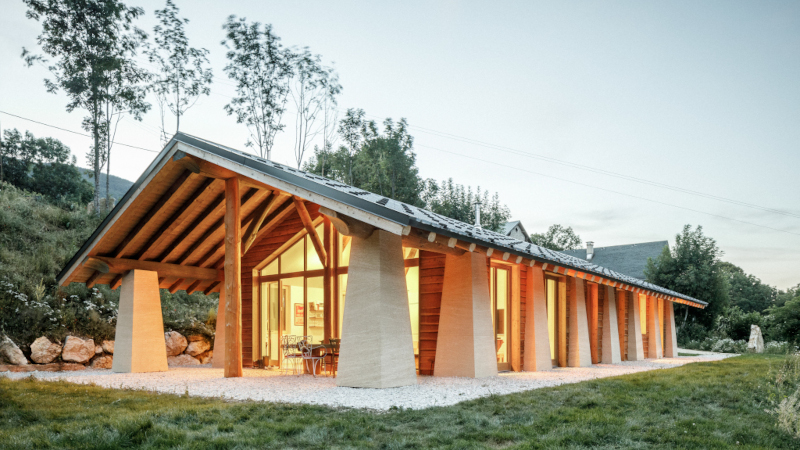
<point>515,230</point>
<point>628,259</point>
<point>408,291</point>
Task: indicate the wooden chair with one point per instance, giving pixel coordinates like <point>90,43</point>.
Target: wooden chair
<point>333,352</point>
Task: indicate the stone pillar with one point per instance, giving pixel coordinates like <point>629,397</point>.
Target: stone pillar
<point>653,329</point>
<point>377,349</point>
<point>580,354</point>
<point>670,334</point>
<point>611,351</point>
<point>139,343</point>
<point>635,345</point>
<point>218,358</point>
<point>465,344</point>
<point>537,337</point>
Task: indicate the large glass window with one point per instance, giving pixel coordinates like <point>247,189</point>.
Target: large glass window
<point>500,289</point>
<point>551,315</point>
<point>643,312</point>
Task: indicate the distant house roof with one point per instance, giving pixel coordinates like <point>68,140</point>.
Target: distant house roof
<point>382,212</point>
<point>628,259</point>
<point>516,230</point>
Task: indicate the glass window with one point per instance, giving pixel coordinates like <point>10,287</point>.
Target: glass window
<point>501,307</point>
<point>643,312</point>
<point>412,283</point>
<point>292,259</point>
<point>271,269</point>
<point>551,315</point>
<point>312,259</point>
<point>316,308</point>
<point>341,296</point>
<point>293,304</point>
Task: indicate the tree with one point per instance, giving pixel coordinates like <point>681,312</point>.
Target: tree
<point>785,321</point>
<point>89,39</point>
<point>352,130</point>
<point>183,73</point>
<point>692,267</point>
<point>261,68</point>
<point>557,238</point>
<point>314,89</point>
<point>746,291</point>
<point>458,202</point>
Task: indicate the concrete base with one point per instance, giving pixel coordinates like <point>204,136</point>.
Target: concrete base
<point>580,354</point>
<point>377,349</point>
<point>218,358</point>
<point>465,343</point>
<point>611,352</point>
<point>670,333</point>
<point>139,344</point>
<point>653,329</point>
<point>537,349</point>
<point>635,344</point>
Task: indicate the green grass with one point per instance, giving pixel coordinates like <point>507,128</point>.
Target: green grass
<point>688,354</point>
<point>700,405</point>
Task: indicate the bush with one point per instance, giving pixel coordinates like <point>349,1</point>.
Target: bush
<point>735,323</point>
<point>785,394</point>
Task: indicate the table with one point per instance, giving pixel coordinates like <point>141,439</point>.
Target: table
<point>316,350</point>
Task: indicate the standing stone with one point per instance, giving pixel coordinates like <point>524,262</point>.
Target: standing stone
<point>78,350</point>
<point>756,342</point>
<point>43,351</point>
<point>103,362</point>
<point>176,343</point>
<point>198,346</point>
<point>108,347</point>
<point>11,353</point>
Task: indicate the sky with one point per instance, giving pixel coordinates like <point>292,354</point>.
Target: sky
<point>624,120</point>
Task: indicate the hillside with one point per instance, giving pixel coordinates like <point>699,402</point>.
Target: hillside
<point>118,186</point>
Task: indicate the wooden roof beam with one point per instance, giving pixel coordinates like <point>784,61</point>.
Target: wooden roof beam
<point>213,209</point>
<point>305,217</point>
<point>121,266</point>
<point>261,214</point>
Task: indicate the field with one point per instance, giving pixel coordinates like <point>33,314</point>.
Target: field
<point>701,405</point>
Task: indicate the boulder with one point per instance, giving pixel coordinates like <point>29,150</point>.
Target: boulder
<point>102,362</point>
<point>43,351</point>
<point>198,347</point>
<point>195,337</point>
<point>77,350</point>
<point>108,347</point>
<point>10,353</point>
<point>756,342</point>
<point>98,350</point>
<point>182,360</point>
<point>205,358</point>
<point>176,343</point>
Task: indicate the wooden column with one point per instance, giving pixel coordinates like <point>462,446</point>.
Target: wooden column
<point>218,357</point>
<point>670,334</point>
<point>537,336</point>
<point>233,279</point>
<point>516,334</point>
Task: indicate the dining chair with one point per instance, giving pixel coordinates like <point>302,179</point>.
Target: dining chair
<point>306,346</point>
<point>333,352</point>
<point>291,357</point>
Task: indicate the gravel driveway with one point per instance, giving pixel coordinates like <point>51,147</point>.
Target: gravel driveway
<point>270,385</point>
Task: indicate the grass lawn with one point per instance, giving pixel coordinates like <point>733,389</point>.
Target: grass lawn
<point>701,405</point>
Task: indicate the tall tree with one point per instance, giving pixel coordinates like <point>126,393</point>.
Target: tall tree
<point>261,68</point>
<point>352,129</point>
<point>183,74</point>
<point>314,89</point>
<point>746,291</point>
<point>458,202</point>
<point>89,40</point>
<point>557,238</point>
<point>692,267</point>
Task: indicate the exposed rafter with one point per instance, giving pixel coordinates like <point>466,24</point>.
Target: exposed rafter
<point>305,217</point>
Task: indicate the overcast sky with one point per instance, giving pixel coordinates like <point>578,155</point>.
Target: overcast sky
<point>701,97</point>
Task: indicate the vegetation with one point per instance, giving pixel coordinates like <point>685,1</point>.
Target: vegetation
<point>456,201</point>
<point>701,405</point>
<point>557,238</point>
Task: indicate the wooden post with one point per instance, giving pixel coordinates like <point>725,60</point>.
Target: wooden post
<point>516,335</point>
<point>233,277</point>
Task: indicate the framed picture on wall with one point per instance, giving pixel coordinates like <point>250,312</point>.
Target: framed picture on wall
<point>299,314</point>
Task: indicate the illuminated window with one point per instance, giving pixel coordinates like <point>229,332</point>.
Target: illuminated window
<point>292,259</point>
<point>312,258</point>
<point>643,312</point>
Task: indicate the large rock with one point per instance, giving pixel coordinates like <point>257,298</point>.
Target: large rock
<point>43,351</point>
<point>205,358</point>
<point>108,347</point>
<point>102,362</point>
<point>182,360</point>
<point>98,350</point>
<point>176,343</point>
<point>756,342</point>
<point>10,353</point>
<point>198,346</point>
<point>77,350</point>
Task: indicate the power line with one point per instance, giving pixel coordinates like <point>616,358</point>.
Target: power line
<point>609,190</point>
<point>75,132</point>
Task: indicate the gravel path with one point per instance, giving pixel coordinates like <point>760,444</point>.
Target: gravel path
<point>270,385</point>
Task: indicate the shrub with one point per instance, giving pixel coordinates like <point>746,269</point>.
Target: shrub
<point>735,323</point>
<point>785,394</point>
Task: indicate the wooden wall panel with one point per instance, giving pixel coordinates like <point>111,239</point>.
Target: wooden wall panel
<point>431,278</point>
<point>523,286</point>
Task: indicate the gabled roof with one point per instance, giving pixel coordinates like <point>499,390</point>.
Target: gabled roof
<point>377,210</point>
<point>628,259</point>
<point>508,227</point>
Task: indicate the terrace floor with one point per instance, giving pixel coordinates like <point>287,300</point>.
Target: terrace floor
<point>272,386</point>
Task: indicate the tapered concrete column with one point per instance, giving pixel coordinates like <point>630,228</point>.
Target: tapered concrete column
<point>635,345</point>
<point>580,354</point>
<point>465,344</point>
<point>611,351</point>
<point>670,334</point>
<point>653,329</point>
<point>537,347</point>
<point>218,358</point>
<point>377,349</point>
<point>139,344</point>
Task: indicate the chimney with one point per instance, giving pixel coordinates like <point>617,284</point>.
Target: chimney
<point>478,214</point>
<point>589,250</point>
